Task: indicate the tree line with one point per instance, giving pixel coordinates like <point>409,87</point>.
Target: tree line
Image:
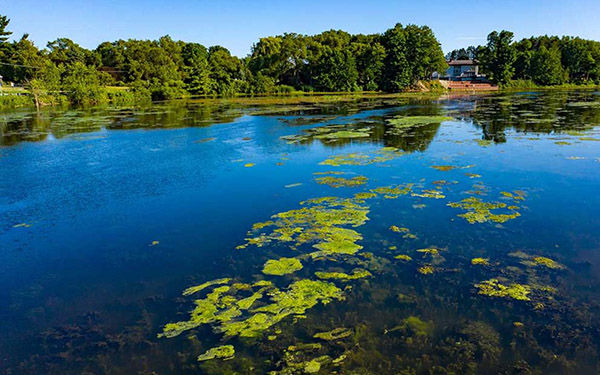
<point>542,60</point>
<point>165,69</point>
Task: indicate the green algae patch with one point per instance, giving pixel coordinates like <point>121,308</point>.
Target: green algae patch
<point>403,257</point>
<point>197,288</point>
<point>444,168</point>
<point>432,251</point>
<point>320,222</point>
<point>429,193</point>
<point>478,211</point>
<point>233,314</point>
<point>414,325</point>
<point>401,125</point>
<point>480,262</point>
<point>337,182</point>
<point>536,261</point>
<point>494,288</point>
<point>335,334</point>
<point>249,165</point>
<point>356,274</point>
<point>342,134</point>
<point>222,352</point>
<point>393,192</point>
<point>425,270</point>
<point>380,156</point>
<point>282,266</point>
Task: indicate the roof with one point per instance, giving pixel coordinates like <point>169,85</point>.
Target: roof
<point>462,62</point>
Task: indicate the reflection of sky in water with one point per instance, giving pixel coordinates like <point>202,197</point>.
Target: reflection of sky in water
<point>95,200</point>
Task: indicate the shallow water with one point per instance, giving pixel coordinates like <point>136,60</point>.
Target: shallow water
<point>108,215</point>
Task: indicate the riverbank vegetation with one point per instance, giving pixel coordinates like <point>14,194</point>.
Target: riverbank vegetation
<point>542,61</point>
<point>333,61</point>
<point>401,58</point>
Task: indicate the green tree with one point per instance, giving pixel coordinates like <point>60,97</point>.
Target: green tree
<point>335,71</point>
<point>81,84</point>
<point>396,72</point>
<point>498,56</point>
<point>546,68</point>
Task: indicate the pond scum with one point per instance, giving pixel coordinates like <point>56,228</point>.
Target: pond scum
<point>324,231</point>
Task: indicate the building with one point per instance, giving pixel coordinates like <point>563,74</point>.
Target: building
<point>463,70</point>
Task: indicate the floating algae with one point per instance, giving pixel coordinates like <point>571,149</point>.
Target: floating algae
<point>429,193</point>
<point>337,182</point>
<point>233,315</point>
<point>415,325</point>
<point>249,165</point>
<point>320,222</point>
<point>197,288</point>
<point>356,274</point>
<point>224,352</point>
<point>478,211</point>
<point>480,261</point>
<point>335,334</point>
<point>380,156</point>
<point>402,124</point>
<point>393,192</point>
<point>536,261</point>
<point>432,251</point>
<point>342,134</point>
<point>425,270</point>
<point>444,168</point>
<point>493,288</point>
<point>403,257</point>
<point>282,266</point>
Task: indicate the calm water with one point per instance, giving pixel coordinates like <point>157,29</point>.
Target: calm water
<point>107,215</point>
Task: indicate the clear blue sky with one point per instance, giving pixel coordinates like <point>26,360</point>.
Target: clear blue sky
<point>237,24</point>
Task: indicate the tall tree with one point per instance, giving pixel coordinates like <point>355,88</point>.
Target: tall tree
<point>498,56</point>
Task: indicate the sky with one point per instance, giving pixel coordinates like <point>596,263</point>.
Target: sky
<point>237,24</point>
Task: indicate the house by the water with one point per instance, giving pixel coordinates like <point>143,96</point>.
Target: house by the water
<point>464,75</point>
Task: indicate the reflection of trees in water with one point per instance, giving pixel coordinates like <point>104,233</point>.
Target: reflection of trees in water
<point>544,112</point>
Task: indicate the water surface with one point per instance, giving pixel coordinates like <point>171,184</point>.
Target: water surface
<point>107,215</point>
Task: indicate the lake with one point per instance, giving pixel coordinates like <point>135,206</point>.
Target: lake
<point>382,235</point>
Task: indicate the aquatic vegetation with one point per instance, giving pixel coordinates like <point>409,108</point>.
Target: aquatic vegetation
<point>335,334</point>
<point>154,243</point>
<point>356,274</point>
<point>575,157</point>
<point>536,261</point>
<point>380,156</point>
<point>403,257</point>
<point>415,325</point>
<point>494,288</point>
<point>223,352</point>
<point>364,195</point>
<point>233,315</point>
<point>478,211</point>
<point>197,288</point>
<point>342,134</point>
<point>320,221</point>
<point>425,270</point>
<point>480,261</point>
<point>472,175</point>
<point>429,193</point>
<point>562,143</point>
<point>282,266</point>
<point>429,251</point>
<point>402,124</point>
<point>249,165</point>
<point>337,182</point>
<point>393,192</point>
<point>204,140</point>
<point>444,168</point>
<point>21,225</point>
<point>484,142</point>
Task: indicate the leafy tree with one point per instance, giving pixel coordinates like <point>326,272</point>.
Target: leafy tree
<point>81,84</point>
<point>197,79</point>
<point>4,34</point>
<point>396,71</point>
<point>336,71</point>
<point>546,68</point>
<point>498,56</point>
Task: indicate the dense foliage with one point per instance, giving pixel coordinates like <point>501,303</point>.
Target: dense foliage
<point>543,60</point>
<point>164,69</point>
